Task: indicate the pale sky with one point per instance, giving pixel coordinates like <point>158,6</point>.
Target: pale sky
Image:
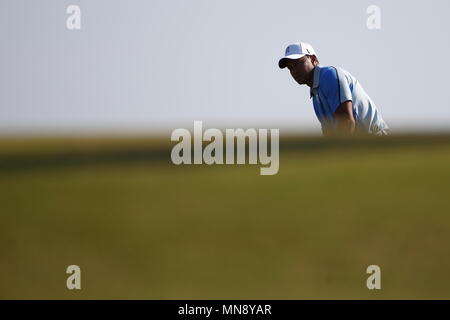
<point>149,65</point>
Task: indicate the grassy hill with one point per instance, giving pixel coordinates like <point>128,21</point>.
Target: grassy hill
<point>141,227</point>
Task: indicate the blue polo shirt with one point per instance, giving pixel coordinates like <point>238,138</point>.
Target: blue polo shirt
<point>333,86</point>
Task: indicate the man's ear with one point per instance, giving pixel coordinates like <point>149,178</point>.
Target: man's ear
<point>315,60</point>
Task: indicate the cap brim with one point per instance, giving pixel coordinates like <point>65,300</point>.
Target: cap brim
<point>282,62</point>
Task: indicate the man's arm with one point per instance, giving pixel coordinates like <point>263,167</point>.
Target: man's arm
<point>344,116</point>
<point>338,95</point>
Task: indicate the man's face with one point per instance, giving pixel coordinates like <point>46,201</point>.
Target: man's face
<point>301,69</point>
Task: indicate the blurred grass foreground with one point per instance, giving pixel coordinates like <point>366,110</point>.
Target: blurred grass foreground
<point>140,227</point>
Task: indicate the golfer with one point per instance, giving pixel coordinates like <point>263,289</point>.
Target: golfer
<point>340,102</point>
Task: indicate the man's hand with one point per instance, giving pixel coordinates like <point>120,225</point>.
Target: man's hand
<point>344,116</point>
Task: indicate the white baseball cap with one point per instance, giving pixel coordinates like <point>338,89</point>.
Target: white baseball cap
<point>296,51</point>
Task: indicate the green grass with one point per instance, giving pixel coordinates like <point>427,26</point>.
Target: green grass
<point>148,229</point>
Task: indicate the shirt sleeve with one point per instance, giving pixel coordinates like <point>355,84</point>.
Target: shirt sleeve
<point>335,88</point>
